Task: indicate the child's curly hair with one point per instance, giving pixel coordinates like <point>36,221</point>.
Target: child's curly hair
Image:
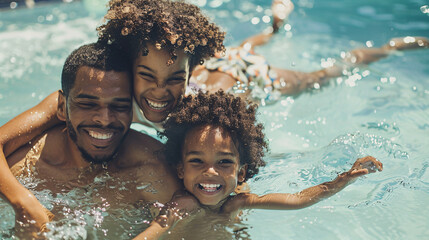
<point>170,25</point>
<point>233,114</point>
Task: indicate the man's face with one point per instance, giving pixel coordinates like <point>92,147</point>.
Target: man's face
<point>158,87</point>
<point>98,112</point>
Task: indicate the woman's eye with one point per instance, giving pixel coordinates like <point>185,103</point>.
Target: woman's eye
<point>147,76</point>
<point>175,81</point>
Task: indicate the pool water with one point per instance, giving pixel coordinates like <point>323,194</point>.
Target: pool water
<point>382,110</point>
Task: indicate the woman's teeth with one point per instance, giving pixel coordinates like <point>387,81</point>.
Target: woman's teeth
<point>102,136</point>
<point>157,105</point>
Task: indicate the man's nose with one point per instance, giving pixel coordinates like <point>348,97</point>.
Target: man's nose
<point>103,116</point>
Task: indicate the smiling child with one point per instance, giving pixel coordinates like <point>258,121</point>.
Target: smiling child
<point>216,145</point>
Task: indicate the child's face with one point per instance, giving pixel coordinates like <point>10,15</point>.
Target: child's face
<point>210,166</point>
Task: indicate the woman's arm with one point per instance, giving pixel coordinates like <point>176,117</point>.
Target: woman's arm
<point>309,196</point>
<point>14,134</point>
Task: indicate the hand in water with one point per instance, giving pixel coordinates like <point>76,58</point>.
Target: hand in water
<point>181,205</point>
<point>31,216</point>
<point>364,166</point>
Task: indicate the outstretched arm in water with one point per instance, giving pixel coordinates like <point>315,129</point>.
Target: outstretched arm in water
<point>13,135</point>
<point>307,197</point>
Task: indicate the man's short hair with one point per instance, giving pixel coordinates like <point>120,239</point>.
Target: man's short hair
<point>94,55</point>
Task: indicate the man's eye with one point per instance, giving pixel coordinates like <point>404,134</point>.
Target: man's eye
<point>86,105</point>
<point>121,108</point>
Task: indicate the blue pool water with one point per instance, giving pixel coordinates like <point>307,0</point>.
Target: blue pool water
<point>382,111</point>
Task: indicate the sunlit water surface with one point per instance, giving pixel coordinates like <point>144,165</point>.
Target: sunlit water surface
<point>381,111</point>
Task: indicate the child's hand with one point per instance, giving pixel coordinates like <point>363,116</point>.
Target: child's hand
<point>364,166</point>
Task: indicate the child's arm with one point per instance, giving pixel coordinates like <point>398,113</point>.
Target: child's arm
<point>307,197</point>
<point>178,208</point>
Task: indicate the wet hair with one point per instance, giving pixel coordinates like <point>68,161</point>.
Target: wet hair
<point>169,25</point>
<point>231,113</point>
<point>95,55</point>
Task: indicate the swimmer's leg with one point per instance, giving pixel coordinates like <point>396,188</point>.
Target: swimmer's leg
<point>290,82</point>
<point>370,55</point>
<point>281,10</point>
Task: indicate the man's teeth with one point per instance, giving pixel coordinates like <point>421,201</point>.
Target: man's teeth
<point>102,136</point>
<point>210,187</point>
<point>157,105</point>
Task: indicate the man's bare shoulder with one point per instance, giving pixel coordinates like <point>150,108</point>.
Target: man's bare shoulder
<point>142,162</point>
<point>140,149</point>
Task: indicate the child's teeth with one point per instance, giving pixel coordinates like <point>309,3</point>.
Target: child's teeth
<point>210,187</point>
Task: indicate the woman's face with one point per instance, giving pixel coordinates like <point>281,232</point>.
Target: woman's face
<point>158,87</point>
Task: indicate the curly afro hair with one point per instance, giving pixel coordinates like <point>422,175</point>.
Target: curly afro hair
<point>170,25</point>
<point>231,113</point>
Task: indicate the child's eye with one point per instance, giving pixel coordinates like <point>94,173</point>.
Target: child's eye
<point>226,161</point>
<point>195,160</point>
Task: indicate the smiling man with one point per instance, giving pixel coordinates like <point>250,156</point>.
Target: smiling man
<point>95,104</point>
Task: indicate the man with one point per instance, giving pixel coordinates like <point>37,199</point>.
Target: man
<point>95,104</point>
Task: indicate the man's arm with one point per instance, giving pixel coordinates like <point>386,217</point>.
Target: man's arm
<point>14,134</point>
<point>309,196</point>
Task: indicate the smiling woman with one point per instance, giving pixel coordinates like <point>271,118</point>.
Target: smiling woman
<point>157,86</point>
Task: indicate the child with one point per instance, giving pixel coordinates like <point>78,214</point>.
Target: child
<point>216,145</point>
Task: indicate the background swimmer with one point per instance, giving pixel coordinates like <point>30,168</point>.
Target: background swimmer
<point>241,70</point>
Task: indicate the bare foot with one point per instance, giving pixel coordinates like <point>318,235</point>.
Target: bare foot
<point>281,10</point>
<point>407,43</point>
<point>369,55</point>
